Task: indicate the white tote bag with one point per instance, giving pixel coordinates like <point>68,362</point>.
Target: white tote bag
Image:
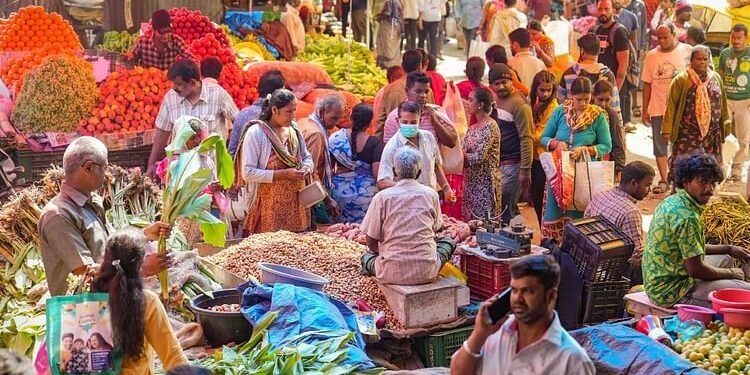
<point>478,47</point>
<point>592,178</point>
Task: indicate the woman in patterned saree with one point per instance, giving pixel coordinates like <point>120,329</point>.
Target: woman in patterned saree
<point>576,126</point>
<point>275,162</point>
<point>697,118</point>
<point>357,156</point>
<point>482,183</point>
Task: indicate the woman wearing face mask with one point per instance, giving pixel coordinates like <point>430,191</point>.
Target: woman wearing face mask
<point>274,162</point>
<point>482,183</point>
<point>579,127</point>
<point>409,135</point>
<point>543,102</point>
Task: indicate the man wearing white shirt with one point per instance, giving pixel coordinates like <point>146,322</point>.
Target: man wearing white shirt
<point>430,15</point>
<point>523,61</point>
<point>506,21</point>
<point>411,23</point>
<point>531,339</point>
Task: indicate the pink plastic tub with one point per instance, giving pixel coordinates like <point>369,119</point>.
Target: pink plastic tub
<point>738,318</point>
<point>699,313</point>
<point>733,298</point>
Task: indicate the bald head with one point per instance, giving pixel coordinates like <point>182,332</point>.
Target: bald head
<point>82,150</point>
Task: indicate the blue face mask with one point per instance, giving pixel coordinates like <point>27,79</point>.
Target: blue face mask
<point>408,130</point>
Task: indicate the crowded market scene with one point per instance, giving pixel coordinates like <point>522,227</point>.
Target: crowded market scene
<point>204,187</point>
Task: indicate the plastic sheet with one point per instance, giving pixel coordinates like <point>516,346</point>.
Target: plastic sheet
<point>301,310</point>
<point>684,330</point>
<point>618,349</point>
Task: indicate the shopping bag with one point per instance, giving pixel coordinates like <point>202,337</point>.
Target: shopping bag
<point>79,335</point>
<point>478,47</point>
<point>41,360</point>
<point>453,157</point>
<point>591,178</point>
<point>560,173</point>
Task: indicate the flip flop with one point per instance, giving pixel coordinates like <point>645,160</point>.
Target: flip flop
<point>637,111</point>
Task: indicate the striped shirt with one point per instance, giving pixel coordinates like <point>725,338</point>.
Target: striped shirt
<point>403,219</point>
<point>214,107</point>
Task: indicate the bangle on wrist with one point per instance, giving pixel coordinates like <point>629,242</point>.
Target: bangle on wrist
<point>468,351</point>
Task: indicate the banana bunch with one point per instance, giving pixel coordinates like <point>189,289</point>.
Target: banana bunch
<point>355,72</point>
<point>249,49</point>
<point>118,41</point>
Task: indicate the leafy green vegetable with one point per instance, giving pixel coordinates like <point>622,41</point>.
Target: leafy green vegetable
<point>187,179</point>
<point>299,355</point>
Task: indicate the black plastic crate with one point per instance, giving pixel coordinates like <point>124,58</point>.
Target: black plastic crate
<point>36,163</point>
<point>131,158</point>
<point>599,248</point>
<point>603,301</point>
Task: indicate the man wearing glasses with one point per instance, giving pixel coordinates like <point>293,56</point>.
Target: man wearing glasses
<point>678,265</point>
<point>73,228</point>
<point>160,49</point>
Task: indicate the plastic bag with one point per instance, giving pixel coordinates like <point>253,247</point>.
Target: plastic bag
<point>591,178</point>
<point>79,335</point>
<point>478,47</point>
<point>41,360</point>
<point>560,173</point>
<point>449,270</point>
<point>453,157</point>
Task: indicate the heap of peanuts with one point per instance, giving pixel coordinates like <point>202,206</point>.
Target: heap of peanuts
<point>336,259</point>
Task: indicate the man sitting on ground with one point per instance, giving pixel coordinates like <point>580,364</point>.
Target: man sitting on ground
<point>400,225</point>
<point>531,340</point>
<point>678,265</point>
<point>618,205</point>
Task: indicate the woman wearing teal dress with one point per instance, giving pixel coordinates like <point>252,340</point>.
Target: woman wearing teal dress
<point>577,126</point>
<point>357,156</point>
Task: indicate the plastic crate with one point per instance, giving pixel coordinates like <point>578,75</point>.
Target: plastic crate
<point>599,248</point>
<point>604,300</point>
<point>484,278</point>
<point>436,350</point>
<point>36,163</point>
<point>132,158</point>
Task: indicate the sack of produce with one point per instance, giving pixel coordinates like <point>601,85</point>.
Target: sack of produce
<point>294,72</point>
<point>79,335</point>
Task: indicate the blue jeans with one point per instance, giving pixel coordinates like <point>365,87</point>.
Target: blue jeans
<point>511,191</point>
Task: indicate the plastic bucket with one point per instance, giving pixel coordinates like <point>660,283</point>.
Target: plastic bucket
<point>221,328</point>
<point>271,273</point>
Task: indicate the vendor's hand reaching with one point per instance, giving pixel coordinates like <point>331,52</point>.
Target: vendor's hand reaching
<point>449,195</point>
<point>156,230</point>
<point>155,262</point>
<point>332,208</point>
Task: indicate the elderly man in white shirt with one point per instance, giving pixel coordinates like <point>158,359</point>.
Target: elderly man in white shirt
<point>430,15</point>
<point>531,339</point>
<point>432,174</point>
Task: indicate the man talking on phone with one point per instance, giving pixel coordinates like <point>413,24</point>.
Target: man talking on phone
<point>528,339</point>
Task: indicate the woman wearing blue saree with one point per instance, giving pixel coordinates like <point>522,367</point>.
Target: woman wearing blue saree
<point>357,157</point>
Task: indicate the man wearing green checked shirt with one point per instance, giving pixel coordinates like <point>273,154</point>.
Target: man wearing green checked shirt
<point>678,265</point>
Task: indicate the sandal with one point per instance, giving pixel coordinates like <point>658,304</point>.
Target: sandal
<point>660,188</point>
<point>637,111</point>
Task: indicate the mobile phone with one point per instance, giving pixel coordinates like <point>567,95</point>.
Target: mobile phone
<point>500,307</point>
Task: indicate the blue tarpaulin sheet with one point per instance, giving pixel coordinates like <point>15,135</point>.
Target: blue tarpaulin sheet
<point>302,310</point>
<point>619,350</point>
<point>250,21</point>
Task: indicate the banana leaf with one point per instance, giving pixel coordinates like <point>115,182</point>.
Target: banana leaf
<point>186,181</point>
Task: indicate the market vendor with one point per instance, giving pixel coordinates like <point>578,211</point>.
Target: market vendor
<point>400,225</point>
<point>73,227</point>
<point>161,49</point>
<point>678,265</point>
<point>190,97</point>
